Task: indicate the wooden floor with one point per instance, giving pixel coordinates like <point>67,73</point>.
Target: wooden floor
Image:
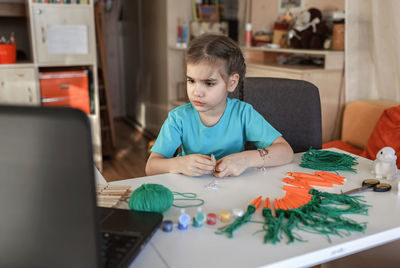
<point>129,159</point>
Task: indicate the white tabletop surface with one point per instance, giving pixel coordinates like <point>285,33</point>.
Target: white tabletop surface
<point>201,247</point>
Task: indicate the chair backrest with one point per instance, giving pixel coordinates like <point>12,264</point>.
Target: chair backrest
<point>293,107</point>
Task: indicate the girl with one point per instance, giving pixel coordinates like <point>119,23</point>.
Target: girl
<point>213,124</point>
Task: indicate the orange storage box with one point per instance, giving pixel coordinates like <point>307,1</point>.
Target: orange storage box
<point>69,88</point>
<point>8,53</point>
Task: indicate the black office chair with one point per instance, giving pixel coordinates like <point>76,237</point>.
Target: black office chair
<point>293,107</point>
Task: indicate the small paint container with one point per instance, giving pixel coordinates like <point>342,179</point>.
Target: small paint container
<point>183,221</point>
<point>199,219</point>
<point>211,218</point>
<point>167,226</point>
<point>225,216</point>
<point>238,212</point>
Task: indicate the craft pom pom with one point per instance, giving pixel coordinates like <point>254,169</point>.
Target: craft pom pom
<point>151,198</point>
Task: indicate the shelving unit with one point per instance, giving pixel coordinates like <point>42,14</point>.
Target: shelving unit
<point>46,26</point>
<point>262,62</point>
<point>176,61</point>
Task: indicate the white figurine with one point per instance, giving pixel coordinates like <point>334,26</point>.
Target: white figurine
<point>385,164</point>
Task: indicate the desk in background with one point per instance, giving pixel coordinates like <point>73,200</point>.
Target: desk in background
<point>201,247</point>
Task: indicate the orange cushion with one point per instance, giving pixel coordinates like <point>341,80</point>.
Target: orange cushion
<point>385,133</point>
<point>342,146</point>
<point>359,120</point>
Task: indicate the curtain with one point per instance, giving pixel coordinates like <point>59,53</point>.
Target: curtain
<point>372,50</point>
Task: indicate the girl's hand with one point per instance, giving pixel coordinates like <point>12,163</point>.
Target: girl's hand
<point>231,165</point>
<point>195,165</point>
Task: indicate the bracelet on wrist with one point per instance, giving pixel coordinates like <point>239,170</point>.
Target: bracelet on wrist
<point>263,152</point>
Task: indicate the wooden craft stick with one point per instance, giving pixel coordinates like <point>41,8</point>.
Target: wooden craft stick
<point>111,197</point>
<point>108,196</point>
<point>113,191</point>
<point>100,200</point>
<point>100,187</point>
<point>105,205</point>
<point>118,187</point>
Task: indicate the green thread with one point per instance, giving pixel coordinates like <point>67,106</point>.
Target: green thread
<point>271,226</point>
<point>187,197</point>
<point>289,225</point>
<point>230,228</point>
<point>328,160</point>
<point>157,198</point>
<point>322,215</point>
<point>152,198</point>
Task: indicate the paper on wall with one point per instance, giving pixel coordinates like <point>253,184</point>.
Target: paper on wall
<point>67,39</point>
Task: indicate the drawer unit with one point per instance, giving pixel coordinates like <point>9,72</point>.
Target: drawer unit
<point>69,88</point>
<point>18,86</point>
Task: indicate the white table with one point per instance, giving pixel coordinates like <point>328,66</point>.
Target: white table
<point>201,247</point>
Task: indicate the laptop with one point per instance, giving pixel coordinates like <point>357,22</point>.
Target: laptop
<point>48,212</point>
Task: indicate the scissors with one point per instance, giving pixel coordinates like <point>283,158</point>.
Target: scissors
<point>373,184</point>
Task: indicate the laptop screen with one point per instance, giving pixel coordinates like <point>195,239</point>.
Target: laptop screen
<point>47,199</point>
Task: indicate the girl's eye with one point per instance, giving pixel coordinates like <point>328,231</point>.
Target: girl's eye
<point>210,84</point>
<point>190,81</point>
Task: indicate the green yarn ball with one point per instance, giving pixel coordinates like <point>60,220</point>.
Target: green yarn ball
<point>152,198</point>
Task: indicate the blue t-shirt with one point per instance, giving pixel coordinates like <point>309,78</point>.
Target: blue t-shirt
<point>239,123</point>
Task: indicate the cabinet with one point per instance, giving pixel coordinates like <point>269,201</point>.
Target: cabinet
<point>177,11</point>
<point>262,62</point>
<point>63,33</point>
<point>55,37</point>
<point>18,85</point>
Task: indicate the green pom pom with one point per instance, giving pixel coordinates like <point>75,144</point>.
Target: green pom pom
<point>152,198</point>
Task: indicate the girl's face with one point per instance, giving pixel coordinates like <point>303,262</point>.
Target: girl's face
<point>206,88</point>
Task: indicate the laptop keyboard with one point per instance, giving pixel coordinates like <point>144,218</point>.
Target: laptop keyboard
<point>115,247</point>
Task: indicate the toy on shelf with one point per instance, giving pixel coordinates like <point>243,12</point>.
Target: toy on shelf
<point>309,31</point>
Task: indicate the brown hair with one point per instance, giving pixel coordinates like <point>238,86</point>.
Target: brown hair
<point>213,48</point>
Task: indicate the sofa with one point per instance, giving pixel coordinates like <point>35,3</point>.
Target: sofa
<point>368,126</point>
